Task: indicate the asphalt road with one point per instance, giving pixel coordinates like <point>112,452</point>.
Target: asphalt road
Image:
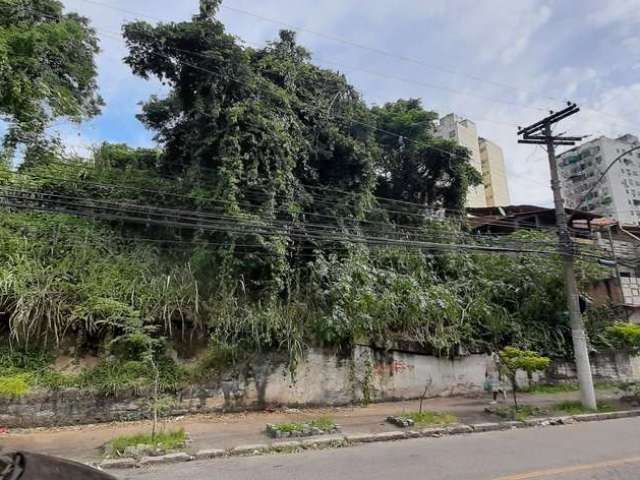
<point>607,450</point>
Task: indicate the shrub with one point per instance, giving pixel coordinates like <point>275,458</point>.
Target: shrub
<point>631,392</point>
<point>625,336</point>
<point>14,386</point>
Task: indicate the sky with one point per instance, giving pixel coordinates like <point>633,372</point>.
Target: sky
<point>499,63</point>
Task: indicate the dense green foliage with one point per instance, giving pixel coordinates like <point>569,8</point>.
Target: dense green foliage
<point>625,336</point>
<point>514,359</point>
<point>47,70</point>
<point>251,225</point>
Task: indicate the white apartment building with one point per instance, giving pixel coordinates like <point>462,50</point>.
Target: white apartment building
<point>617,195</point>
<point>486,158</point>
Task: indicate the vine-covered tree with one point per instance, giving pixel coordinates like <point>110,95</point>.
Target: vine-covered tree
<point>47,70</point>
<point>417,167</point>
<point>245,118</point>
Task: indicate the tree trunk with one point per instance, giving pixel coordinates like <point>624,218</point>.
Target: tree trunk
<point>156,381</point>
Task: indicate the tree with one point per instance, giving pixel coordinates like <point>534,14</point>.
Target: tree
<point>254,130</point>
<point>244,117</point>
<point>47,70</point>
<point>122,157</point>
<point>513,359</point>
<point>416,167</point>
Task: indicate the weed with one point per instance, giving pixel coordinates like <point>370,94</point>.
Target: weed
<point>54,381</point>
<point>113,378</point>
<point>574,407</point>
<point>289,427</point>
<point>323,423</point>
<point>552,388</point>
<point>546,389</point>
<point>14,386</point>
<point>521,413</point>
<point>167,440</point>
<point>427,418</point>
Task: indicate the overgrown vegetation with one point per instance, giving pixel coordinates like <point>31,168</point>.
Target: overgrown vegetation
<point>550,389</point>
<point>326,424</point>
<point>567,407</point>
<point>429,418</point>
<point>521,412</point>
<point>625,336</point>
<point>14,386</point>
<point>251,224</point>
<point>574,407</point>
<point>165,441</point>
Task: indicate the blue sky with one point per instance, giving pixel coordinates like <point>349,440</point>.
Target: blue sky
<point>500,63</point>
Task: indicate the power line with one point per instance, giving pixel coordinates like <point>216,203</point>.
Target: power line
<point>318,198</point>
<point>70,205</point>
<point>205,220</point>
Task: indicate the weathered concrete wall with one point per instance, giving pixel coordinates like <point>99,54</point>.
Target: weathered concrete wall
<point>323,378</point>
<point>604,366</point>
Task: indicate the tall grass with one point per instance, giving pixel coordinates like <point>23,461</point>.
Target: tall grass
<point>167,440</point>
<point>63,277</point>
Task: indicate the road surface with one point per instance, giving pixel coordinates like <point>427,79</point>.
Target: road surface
<point>608,450</point>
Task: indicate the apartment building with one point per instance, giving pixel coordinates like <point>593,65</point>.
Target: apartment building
<point>617,194</point>
<point>486,158</point>
<point>494,175</point>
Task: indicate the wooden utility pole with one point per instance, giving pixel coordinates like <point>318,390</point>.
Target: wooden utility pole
<point>540,133</point>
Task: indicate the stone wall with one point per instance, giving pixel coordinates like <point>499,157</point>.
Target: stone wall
<point>323,378</point>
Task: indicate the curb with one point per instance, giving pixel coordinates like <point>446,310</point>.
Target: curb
<point>338,441</point>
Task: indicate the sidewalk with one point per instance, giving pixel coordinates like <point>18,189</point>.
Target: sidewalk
<point>223,431</point>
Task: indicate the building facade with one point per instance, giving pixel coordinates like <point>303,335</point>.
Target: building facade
<point>494,175</point>
<point>589,231</point>
<point>486,158</point>
<point>617,195</point>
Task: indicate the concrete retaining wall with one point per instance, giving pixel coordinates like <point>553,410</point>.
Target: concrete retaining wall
<point>323,378</point>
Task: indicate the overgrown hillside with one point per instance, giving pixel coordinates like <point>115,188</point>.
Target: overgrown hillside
<point>279,212</point>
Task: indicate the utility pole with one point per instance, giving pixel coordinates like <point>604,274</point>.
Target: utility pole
<point>540,133</point>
